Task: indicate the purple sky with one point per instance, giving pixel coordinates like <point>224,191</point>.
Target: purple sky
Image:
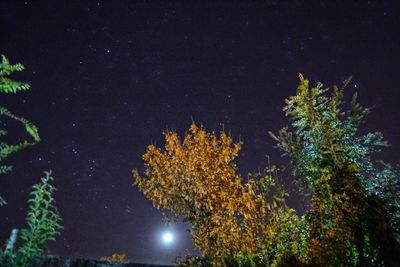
<point>108,76</point>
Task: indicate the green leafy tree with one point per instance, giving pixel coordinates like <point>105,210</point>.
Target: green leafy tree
<point>354,215</point>
<point>43,218</point>
<point>7,85</point>
<point>43,222</point>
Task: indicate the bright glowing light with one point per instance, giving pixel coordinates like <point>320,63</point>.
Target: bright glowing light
<point>167,237</point>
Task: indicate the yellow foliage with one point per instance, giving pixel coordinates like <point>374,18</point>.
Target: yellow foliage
<point>197,179</point>
<point>115,258</point>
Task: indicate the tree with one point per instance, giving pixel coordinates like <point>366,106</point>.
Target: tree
<point>354,201</point>
<point>115,257</point>
<point>7,86</point>
<point>196,178</point>
<point>43,226</point>
<point>43,218</point>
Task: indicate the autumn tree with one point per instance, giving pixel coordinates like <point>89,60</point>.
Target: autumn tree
<point>197,179</point>
<point>354,215</point>
<point>116,257</point>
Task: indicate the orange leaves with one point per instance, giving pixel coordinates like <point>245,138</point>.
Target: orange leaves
<point>116,257</point>
<point>197,179</point>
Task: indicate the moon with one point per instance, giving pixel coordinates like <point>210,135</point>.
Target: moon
<point>167,238</point>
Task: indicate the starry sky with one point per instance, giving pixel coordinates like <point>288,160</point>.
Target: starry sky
<point>108,77</point>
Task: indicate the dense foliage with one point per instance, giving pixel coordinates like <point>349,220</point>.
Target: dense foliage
<point>43,226</point>
<point>7,85</point>
<point>196,178</point>
<point>354,215</point>
<point>355,200</point>
<point>115,257</point>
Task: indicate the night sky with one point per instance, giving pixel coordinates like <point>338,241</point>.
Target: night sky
<point>108,77</point>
